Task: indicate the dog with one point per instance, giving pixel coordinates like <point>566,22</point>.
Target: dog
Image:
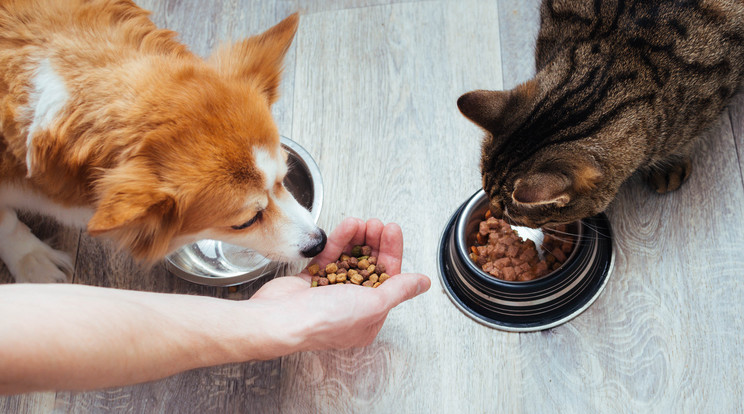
<point>110,124</point>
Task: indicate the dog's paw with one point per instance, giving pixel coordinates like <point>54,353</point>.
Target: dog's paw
<point>670,177</point>
<point>29,259</point>
<point>43,265</point>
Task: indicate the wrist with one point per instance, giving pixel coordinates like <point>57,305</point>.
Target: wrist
<point>261,330</point>
<point>281,332</point>
<point>207,331</point>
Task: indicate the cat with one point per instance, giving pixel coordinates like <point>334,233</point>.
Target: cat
<point>620,86</point>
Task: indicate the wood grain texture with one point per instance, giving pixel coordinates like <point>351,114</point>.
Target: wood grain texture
<point>391,144</point>
<point>518,20</point>
<point>369,90</point>
<point>319,6</point>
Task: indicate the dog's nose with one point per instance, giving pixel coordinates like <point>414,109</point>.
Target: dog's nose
<point>315,250</point>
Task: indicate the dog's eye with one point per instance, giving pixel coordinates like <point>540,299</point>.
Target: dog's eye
<point>249,222</point>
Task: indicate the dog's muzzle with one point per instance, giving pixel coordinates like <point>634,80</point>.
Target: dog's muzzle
<point>318,247</point>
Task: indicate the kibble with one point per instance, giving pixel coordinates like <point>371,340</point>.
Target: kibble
<point>331,268</point>
<point>500,252</point>
<point>358,267</point>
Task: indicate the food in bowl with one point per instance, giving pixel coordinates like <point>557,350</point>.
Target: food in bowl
<point>499,251</point>
<point>358,267</point>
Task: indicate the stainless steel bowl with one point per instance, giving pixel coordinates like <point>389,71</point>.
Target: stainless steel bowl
<point>530,305</point>
<point>214,263</point>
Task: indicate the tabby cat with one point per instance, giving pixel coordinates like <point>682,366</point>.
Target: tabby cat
<point>621,86</point>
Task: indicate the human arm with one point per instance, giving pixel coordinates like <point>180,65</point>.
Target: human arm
<point>83,337</point>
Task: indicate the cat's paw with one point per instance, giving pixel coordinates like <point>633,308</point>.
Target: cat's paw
<point>670,177</point>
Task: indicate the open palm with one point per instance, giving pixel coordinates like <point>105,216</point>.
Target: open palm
<point>343,316</point>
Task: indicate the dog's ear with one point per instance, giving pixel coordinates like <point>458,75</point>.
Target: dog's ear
<point>258,59</point>
<point>127,204</point>
<point>135,213</point>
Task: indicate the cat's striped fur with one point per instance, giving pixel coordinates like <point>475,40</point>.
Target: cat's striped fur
<point>620,86</point>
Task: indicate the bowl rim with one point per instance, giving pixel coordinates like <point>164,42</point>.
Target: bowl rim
<point>462,249</point>
<point>447,269</point>
<point>315,175</point>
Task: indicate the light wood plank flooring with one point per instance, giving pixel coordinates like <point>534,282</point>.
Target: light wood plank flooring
<point>369,90</point>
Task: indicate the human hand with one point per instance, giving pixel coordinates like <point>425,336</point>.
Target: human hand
<point>342,316</point>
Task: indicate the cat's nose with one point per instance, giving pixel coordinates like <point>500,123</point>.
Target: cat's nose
<point>496,209</point>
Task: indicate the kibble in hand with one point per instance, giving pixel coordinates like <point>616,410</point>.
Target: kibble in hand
<point>359,267</point>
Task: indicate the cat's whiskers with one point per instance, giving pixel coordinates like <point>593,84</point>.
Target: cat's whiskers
<point>597,229</point>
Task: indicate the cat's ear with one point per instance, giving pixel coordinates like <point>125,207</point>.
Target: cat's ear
<point>483,107</point>
<point>542,189</point>
<point>555,188</point>
<point>488,108</point>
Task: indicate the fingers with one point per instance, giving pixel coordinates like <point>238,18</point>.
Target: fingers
<point>360,237</point>
<point>390,250</point>
<point>349,230</point>
<point>386,242</point>
<point>403,287</point>
<point>372,234</point>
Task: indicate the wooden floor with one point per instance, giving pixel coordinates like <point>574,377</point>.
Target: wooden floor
<point>370,89</point>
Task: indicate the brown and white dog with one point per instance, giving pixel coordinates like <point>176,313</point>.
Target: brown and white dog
<point>109,123</point>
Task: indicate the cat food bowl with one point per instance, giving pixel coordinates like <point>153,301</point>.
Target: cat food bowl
<point>214,263</point>
<point>524,306</point>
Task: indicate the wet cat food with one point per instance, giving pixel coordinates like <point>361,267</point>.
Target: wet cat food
<point>500,252</point>
<point>359,268</point>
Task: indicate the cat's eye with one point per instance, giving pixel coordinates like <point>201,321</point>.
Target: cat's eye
<point>249,222</point>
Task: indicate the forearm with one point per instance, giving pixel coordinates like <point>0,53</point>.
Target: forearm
<point>81,337</point>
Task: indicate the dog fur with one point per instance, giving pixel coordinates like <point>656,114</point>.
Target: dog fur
<point>111,124</point>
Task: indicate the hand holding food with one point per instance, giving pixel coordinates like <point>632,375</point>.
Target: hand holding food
<point>342,315</point>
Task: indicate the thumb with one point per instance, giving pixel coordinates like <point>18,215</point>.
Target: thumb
<point>400,288</point>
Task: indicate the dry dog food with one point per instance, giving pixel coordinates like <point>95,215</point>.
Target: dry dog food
<point>359,268</point>
<point>500,252</point>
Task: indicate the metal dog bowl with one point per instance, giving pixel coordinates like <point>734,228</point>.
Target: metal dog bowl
<point>530,305</point>
<point>214,263</point>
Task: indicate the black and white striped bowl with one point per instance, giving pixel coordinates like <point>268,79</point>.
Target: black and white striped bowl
<point>524,306</point>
